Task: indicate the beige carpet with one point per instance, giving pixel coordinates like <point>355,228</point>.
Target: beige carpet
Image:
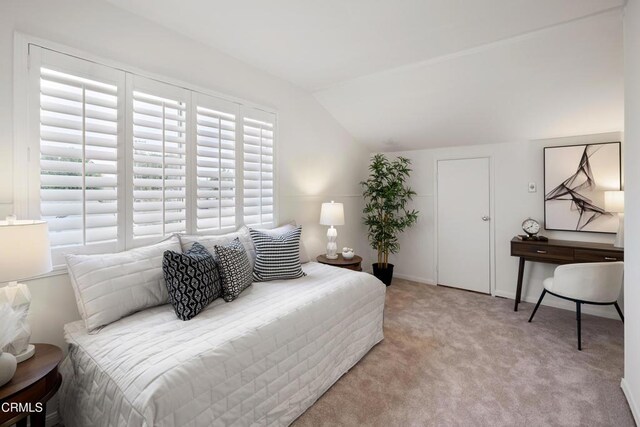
<point>455,358</point>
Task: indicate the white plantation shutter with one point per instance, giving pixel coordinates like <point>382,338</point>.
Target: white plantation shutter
<point>258,159</point>
<point>123,160</point>
<point>215,164</point>
<point>159,159</point>
<point>78,135</point>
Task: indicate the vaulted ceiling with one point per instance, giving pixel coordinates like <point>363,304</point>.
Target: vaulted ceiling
<point>407,74</point>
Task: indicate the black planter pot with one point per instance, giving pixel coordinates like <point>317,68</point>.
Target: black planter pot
<point>384,274</point>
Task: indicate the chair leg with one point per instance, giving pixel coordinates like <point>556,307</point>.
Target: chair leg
<point>578,317</point>
<point>619,311</point>
<point>544,291</point>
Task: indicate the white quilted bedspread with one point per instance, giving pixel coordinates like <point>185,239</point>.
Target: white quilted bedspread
<point>262,359</point>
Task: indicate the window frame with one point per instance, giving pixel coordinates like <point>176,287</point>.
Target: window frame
<point>136,83</point>
<point>26,141</point>
<point>72,65</point>
<point>199,99</point>
<point>256,115</point>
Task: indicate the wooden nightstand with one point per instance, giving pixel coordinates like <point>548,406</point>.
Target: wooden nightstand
<point>35,382</point>
<point>351,264</point>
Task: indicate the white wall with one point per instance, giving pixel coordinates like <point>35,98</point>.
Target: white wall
<point>514,165</point>
<point>317,159</point>
<point>631,381</point>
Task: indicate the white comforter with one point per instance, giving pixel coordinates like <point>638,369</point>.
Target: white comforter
<point>262,359</point>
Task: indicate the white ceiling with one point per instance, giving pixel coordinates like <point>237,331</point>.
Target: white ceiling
<point>563,81</point>
<point>422,73</point>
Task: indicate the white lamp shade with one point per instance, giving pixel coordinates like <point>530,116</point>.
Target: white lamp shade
<point>614,201</point>
<point>24,250</point>
<point>332,214</point>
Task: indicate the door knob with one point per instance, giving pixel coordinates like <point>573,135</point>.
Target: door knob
<point>485,218</point>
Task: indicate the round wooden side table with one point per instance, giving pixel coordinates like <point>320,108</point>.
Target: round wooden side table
<point>354,263</point>
<point>36,380</point>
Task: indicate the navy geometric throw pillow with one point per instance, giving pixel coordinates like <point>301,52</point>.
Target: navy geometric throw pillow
<point>192,280</point>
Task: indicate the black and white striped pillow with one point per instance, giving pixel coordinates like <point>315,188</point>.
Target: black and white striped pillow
<point>277,257</point>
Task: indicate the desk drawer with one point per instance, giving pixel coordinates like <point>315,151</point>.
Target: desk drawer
<point>542,251</point>
<point>593,255</point>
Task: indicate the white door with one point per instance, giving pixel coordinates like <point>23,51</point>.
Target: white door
<point>464,224</point>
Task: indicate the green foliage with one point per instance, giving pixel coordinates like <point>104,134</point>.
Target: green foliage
<point>386,197</point>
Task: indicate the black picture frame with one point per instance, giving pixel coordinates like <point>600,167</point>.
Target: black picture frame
<point>545,194</point>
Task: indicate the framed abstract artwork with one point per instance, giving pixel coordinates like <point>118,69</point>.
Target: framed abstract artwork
<point>575,179</point>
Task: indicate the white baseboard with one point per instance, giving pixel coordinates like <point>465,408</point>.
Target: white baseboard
<point>550,301</point>
<point>635,410</point>
<point>414,278</point>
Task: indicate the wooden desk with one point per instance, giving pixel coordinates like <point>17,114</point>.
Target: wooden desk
<point>560,252</point>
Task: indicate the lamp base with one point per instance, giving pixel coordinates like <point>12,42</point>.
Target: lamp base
<point>619,243</point>
<point>332,246</point>
<point>30,351</point>
<point>17,295</point>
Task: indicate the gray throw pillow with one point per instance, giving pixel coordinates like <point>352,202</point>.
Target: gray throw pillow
<point>235,268</point>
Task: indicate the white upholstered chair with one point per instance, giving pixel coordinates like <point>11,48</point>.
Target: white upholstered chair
<point>593,283</point>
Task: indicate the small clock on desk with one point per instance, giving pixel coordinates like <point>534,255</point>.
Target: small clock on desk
<point>532,228</point>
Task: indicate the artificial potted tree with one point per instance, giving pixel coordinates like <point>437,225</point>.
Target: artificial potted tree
<point>386,214</point>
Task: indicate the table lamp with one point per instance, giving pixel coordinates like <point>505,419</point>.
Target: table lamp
<point>24,253</point>
<point>614,203</point>
<point>332,214</point>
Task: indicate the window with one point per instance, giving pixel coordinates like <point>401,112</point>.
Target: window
<point>215,164</point>
<point>78,138</point>
<point>159,159</point>
<point>258,168</point>
<point>125,159</point>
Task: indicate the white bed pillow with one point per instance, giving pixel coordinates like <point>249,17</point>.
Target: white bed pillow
<point>279,231</point>
<point>109,287</point>
<point>210,241</point>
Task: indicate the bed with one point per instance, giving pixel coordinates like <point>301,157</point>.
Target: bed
<point>262,359</point>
